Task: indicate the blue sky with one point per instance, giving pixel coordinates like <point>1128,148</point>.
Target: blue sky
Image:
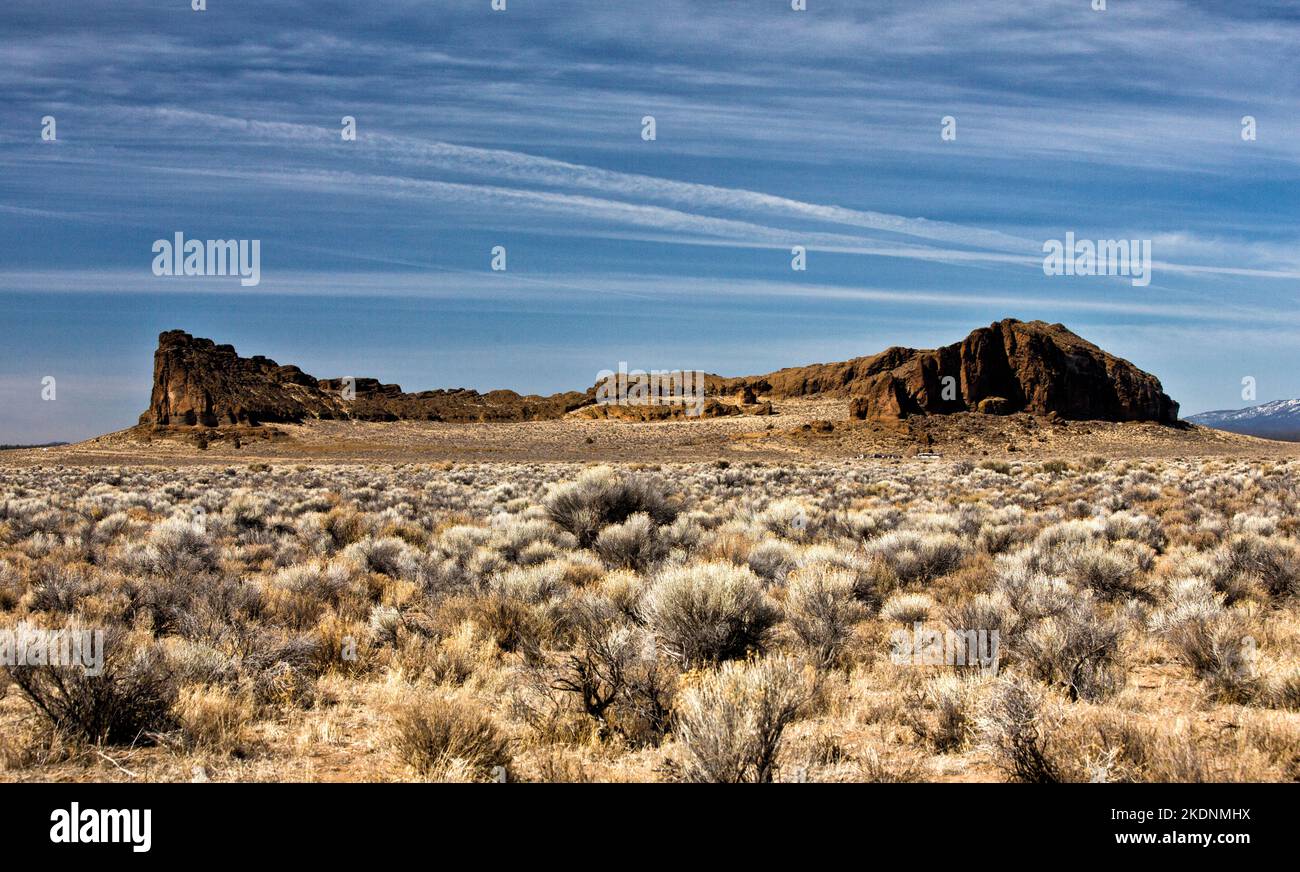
<point>523,128</point>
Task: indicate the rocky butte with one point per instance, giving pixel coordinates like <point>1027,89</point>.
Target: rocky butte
<point>199,383</point>
<point>1010,366</point>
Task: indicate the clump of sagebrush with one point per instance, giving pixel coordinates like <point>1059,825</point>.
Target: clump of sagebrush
<point>990,613</point>
<point>176,549</point>
<point>56,587</point>
<point>633,544</point>
<point>708,612</point>
<point>821,609</point>
<point>918,557</point>
<point>387,556</point>
<point>731,722</point>
<point>1272,562</point>
<point>791,519</point>
<point>907,608</point>
<point>772,559</point>
<point>614,673</point>
<point>941,712</point>
<point>1112,570</point>
<point>603,496</point>
<point>11,586</point>
<point>1031,594</point>
<point>1218,643</point>
<point>1077,651</point>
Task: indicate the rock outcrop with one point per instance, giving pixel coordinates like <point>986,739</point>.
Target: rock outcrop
<point>1008,367</point>
<point>197,382</point>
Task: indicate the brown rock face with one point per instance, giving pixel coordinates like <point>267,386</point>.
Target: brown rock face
<point>1010,366</point>
<point>197,382</point>
<point>993,406</point>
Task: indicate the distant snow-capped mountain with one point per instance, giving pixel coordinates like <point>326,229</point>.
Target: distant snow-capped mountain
<point>1279,419</point>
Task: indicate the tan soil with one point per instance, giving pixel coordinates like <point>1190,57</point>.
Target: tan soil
<point>801,430</point>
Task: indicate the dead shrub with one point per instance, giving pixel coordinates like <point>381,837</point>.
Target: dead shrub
<point>430,733</point>
<point>1016,722</point>
<point>126,703</point>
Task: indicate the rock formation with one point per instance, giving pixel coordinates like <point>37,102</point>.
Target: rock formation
<point>197,382</point>
<point>1010,366</point>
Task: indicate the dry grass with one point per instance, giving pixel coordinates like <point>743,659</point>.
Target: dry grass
<point>722,621</point>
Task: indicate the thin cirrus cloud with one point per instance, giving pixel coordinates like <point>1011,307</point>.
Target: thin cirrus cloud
<point>520,167</point>
<point>427,280</point>
<point>979,245</point>
<point>989,246</point>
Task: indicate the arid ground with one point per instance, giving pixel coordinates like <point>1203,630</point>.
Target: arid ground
<point>519,602</point>
<point>801,430</point>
